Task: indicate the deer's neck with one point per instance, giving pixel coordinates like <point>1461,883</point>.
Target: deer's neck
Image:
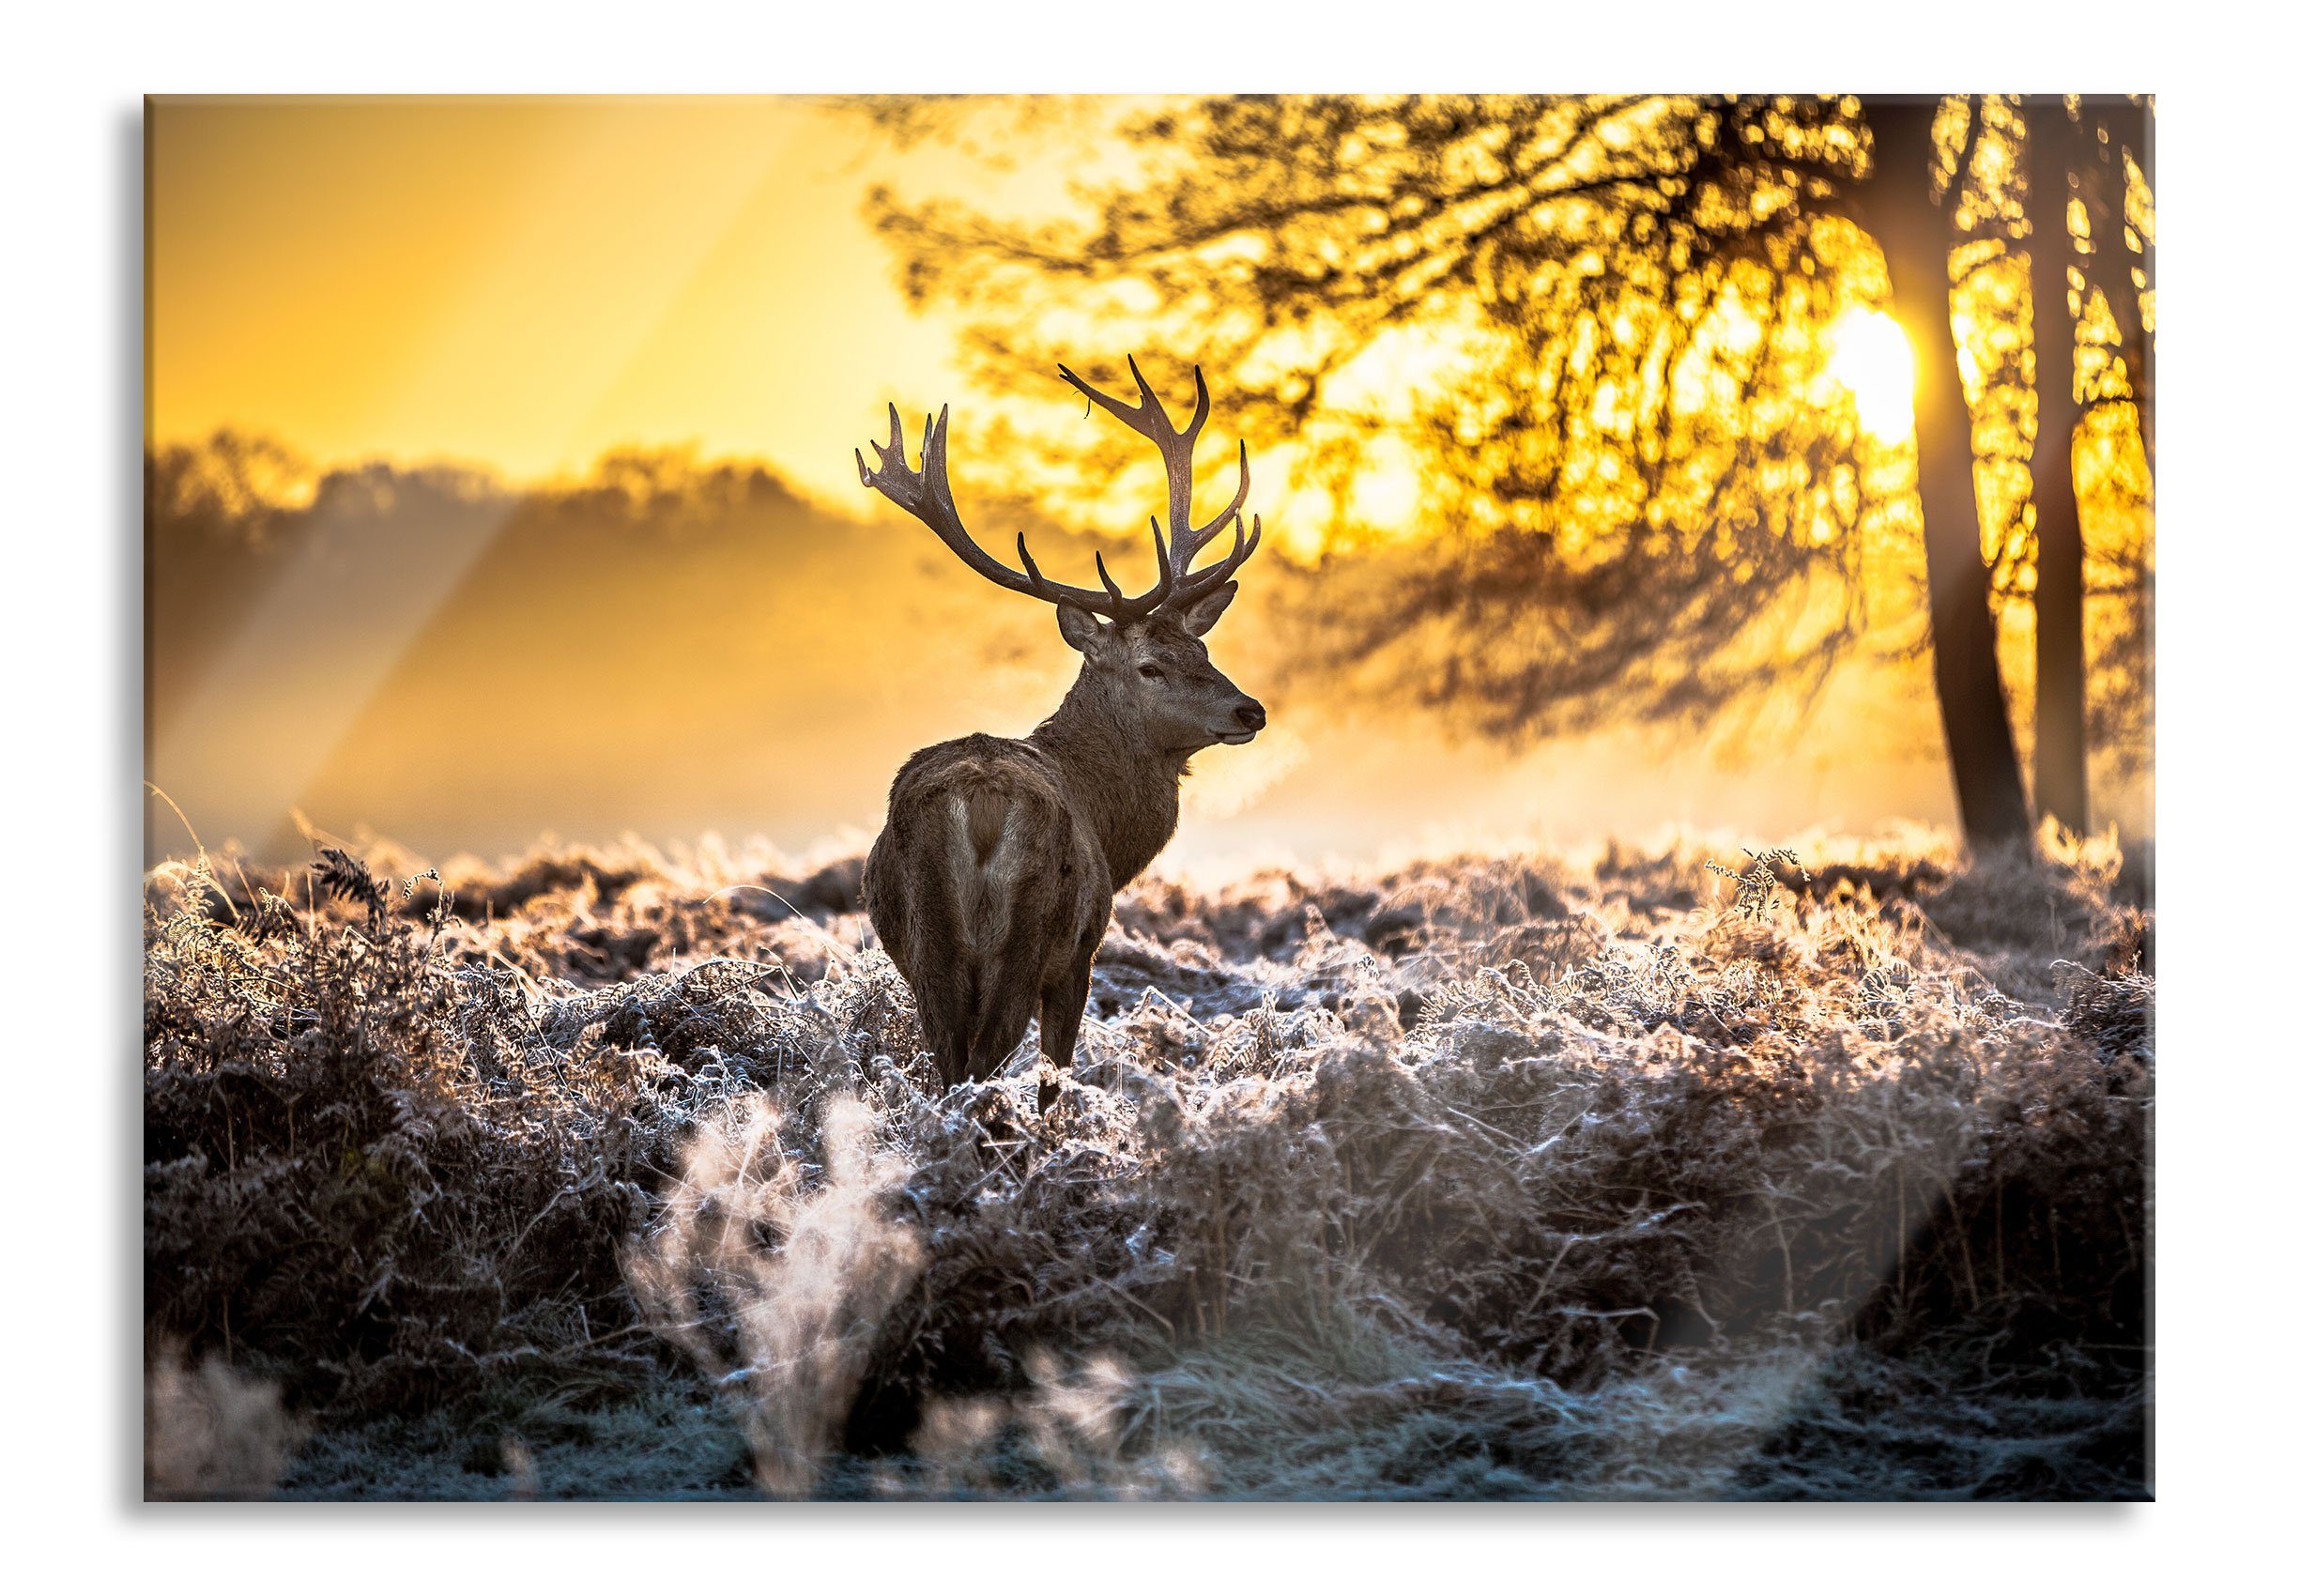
<point>1131,795</point>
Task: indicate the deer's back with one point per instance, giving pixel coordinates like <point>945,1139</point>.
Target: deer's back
<point>983,856</point>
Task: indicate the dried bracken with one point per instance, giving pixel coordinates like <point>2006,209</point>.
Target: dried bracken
<point>211,1432</point>
<point>1485,1176</point>
<point>777,1286</point>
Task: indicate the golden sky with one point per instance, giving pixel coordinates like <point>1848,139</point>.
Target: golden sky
<point>522,283</point>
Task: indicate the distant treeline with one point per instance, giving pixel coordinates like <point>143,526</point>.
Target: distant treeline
<point>665,642</point>
<point>669,644</point>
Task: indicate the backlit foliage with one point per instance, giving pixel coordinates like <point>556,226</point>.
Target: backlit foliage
<point>1577,351</point>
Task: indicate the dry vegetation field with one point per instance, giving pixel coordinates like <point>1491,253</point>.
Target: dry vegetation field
<point>608,1173</point>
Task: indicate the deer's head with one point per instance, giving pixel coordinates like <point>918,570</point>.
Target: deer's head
<point>1155,672</point>
<point>1146,655</point>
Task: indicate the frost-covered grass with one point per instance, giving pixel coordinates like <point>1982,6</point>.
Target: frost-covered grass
<point>608,1172</point>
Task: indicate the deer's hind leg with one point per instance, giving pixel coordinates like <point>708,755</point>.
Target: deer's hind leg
<point>946,1042</point>
<point>1000,1017</point>
<point>946,1001</point>
<point>1062,1014</point>
<point>1062,1010</point>
<point>913,910</point>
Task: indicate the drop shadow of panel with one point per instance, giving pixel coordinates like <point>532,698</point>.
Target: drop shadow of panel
<point>128,753</point>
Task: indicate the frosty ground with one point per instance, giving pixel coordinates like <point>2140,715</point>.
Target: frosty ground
<point>1682,1173</point>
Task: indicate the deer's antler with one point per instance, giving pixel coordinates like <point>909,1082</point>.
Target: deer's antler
<point>924,494</point>
<point>1175,449</point>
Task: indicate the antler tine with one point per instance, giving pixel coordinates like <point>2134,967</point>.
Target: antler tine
<point>1166,564</point>
<point>1117,594</point>
<point>925,494</point>
<point>1150,418</point>
<point>891,450</point>
<point>1022,550</point>
<point>1189,590</point>
<point>1147,417</point>
<point>1161,425</point>
<point>1201,536</point>
<point>1138,417</point>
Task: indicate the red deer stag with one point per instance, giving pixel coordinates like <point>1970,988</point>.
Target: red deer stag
<point>990,885</point>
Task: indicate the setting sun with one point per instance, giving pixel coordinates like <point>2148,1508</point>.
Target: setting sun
<point>1870,358</point>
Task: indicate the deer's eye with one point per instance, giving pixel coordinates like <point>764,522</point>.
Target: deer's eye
<point>1151,673</point>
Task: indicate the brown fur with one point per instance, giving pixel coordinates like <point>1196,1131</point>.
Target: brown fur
<point>990,886</point>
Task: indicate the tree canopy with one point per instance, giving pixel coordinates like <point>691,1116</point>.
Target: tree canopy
<point>1601,337</point>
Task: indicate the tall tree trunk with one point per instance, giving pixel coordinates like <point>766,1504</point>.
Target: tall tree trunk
<point>2118,125</point>
<point>2061,789</point>
<point>1914,233</point>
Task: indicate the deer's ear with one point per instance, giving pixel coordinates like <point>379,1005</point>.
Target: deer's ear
<point>1080,630</point>
<point>1199,618</point>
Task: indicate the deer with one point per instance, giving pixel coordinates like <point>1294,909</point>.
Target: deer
<point>991,884</point>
